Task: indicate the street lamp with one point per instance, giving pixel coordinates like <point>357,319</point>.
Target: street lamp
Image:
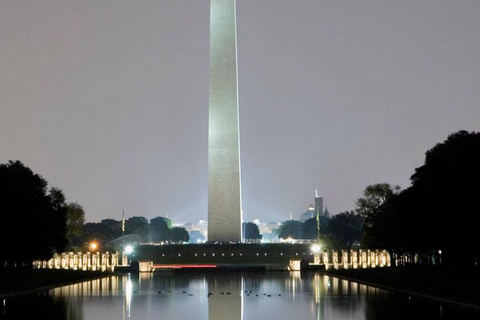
<point>93,246</point>
<point>316,253</point>
<point>128,249</point>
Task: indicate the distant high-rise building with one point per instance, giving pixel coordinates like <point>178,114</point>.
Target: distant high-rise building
<point>318,204</point>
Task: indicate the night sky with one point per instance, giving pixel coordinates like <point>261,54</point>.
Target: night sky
<point>108,100</point>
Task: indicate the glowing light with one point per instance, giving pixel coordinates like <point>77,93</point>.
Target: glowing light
<point>184,266</point>
<point>128,249</point>
<point>93,246</point>
<point>315,248</point>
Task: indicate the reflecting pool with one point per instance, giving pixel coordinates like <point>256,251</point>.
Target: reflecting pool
<point>220,296</point>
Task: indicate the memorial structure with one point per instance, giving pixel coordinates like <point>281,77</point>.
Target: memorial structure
<point>224,178</point>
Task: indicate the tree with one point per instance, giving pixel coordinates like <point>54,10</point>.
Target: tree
<point>437,213</point>
<point>137,225</point>
<point>179,234</point>
<point>250,231</point>
<point>99,233</point>
<point>378,220</point>
<point>113,224</point>
<point>160,229</point>
<point>345,229</point>
<point>36,217</point>
<point>75,222</point>
<point>310,230</point>
<point>374,196</point>
<point>443,199</point>
<point>290,229</point>
<point>57,225</point>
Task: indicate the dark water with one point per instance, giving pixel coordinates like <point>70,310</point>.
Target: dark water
<point>215,296</point>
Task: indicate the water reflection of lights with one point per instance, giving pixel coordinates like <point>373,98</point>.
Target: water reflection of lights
<point>295,279</point>
<point>98,287</point>
<point>335,285</point>
<point>317,290</point>
<point>309,296</point>
<point>345,286</point>
<point>317,287</point>
<point>145,277</point>
<point>128,296</point>
<point>326,283</point>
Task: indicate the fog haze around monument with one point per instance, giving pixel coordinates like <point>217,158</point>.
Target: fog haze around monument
<point>109,100</point>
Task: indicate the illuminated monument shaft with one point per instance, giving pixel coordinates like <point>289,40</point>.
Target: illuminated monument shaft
<point>224,182</point>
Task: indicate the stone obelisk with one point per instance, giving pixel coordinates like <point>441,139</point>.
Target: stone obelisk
<point>224,179</point>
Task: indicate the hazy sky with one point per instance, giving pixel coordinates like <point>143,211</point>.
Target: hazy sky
<point>108,100</point>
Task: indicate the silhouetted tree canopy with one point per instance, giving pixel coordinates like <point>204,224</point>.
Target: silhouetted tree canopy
<point>309,228</point>
<point>179,234</point>
<point>250,231</point>
<point>113,224</point>
<point>345,229</point>
<point>290,229</point>
<point>160,229</point>
<point>438,212</point>
<point>377,224</point>
<point>443,198</point>
<point>75,222</point>
<point>99,233</point>
<point>137,225</point>
<point>33,217</point>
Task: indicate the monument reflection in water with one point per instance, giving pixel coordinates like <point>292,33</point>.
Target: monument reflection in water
<point>213,296</point>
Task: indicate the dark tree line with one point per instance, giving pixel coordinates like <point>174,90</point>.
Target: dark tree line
<point>437,216</point>
<point>33,216</point>
<point>341,231</point>
<point>36,221</point>
<point>250,231</point>
<point>159,229</point>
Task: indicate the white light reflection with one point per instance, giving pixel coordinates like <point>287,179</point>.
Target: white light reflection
<point>317,287</point>
<point>317,295</point>
<point>128,297</point>
<point>242,281</point>
<point>295,278</point>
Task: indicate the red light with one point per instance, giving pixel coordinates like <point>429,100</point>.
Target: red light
<point>184,266</point>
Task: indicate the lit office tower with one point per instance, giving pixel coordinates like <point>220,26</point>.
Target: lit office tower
<point>224,179</point>
<point>318,204</point>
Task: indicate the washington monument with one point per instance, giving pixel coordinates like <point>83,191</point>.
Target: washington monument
<point>224,178</point>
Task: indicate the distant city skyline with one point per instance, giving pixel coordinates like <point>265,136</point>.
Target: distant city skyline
<point>108,101</point>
